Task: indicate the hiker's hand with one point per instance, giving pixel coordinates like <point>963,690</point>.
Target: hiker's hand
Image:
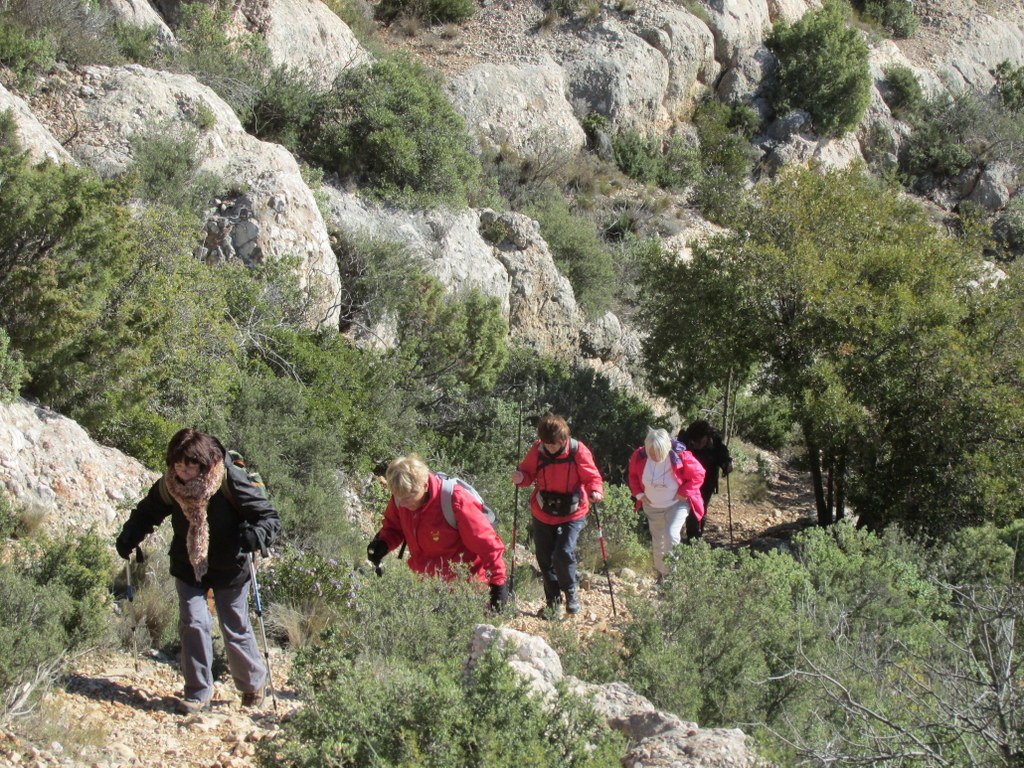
<point>376,550</point>
<point>250,540</point>
<point>596,496</point>
<point>517,477</point>
<point>499,596</point>
<point>124,546</point>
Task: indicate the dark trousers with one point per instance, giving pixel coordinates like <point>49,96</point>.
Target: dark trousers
<point>555,546</point>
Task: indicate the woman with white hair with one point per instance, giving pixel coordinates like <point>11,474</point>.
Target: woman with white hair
<point>665,480</point>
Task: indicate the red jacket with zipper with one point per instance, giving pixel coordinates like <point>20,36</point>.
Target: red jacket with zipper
<point>434,545</point>
<point>581,473</point>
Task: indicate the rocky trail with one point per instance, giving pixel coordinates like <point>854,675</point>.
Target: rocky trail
<point>113,711</point>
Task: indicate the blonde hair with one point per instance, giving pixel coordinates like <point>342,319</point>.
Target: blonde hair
<point>657,443</point>
<point>406,475</point>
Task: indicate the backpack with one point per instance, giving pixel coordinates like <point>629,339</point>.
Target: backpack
<point>255,478</point>
<point>447,489</point>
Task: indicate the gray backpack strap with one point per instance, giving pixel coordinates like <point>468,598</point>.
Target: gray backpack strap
<point>447,488</point>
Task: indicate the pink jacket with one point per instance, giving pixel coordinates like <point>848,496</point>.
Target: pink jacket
<point>581,473</point>
<point>434,545</point>
<point>688,471</point>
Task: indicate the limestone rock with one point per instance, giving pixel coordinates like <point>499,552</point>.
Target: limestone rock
<point>279,217</point>
<point>519,107</point>
<point>35,137</point>
<point>141,13</point>
<point>50,466</point>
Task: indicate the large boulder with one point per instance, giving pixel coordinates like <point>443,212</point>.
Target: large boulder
<point>620,76</point>
<point>52,469</point>
<point>689,48</point>
<point>519,107</point>
<point>35,137</point>
<point>278,217</point>
<point>141,13</point>
<point>309,36</point>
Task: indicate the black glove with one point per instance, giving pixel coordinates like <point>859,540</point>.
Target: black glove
<point>250,540</point>
<point>499,596</point>
<point>124,545</point>
<point>376,550</point>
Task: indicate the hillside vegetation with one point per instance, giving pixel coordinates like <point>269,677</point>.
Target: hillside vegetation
<point>864,322</point>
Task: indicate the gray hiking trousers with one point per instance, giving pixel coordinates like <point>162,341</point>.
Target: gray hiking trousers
<point>195,626</point>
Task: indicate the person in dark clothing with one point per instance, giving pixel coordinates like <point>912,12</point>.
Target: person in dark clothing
<point>219,517</point>
<point>706,444</point>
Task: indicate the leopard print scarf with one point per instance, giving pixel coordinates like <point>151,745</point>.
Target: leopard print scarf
<point>193,497</point>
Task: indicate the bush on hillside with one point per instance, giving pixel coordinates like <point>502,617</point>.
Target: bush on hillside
<point>764,420</point>
<point>726,157</point>
<point>823,69</point>
<point>389,126</point>
<point>26,55</point>
<point>1010,85</point>
<point>12,370</point>
<point>903,91</point>
<point>427,11</point>
<point>897,16</point>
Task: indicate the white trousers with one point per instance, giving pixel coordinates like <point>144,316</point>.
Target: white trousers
<point>666,524</point>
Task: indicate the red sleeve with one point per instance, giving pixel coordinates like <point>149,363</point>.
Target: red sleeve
<point>528,466</point>
<point>478,535</point>
<point>590,475</point>
<point>391,529</point>
<point>690,474</point>
<point>636,473</point>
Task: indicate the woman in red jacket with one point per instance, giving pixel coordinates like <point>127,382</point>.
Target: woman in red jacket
<point>665,480</point>
<point>415,517</point>
<point>566,481</point>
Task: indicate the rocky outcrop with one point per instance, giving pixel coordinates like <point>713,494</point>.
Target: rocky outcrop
<point>275,216</point>
<point>309,36</point>
<point>33,135</point>
<point>620,76</point>
<point>141,13</point>
<point>656,739</point>
<point>521,108</point>
<point>50,468</point>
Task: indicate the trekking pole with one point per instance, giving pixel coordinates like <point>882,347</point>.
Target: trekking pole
<point>139,558</point>
<point>515,512</point>
<point>725,436</point>
<point>604,556</point>
<point>258,605</point>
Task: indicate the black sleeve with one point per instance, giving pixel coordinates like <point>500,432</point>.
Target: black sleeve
<point>147,515</point>
<point>253,505</point>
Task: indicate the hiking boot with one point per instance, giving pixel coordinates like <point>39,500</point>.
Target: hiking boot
<point>572,601</point>
<point>192,706</point>
<point>254,698</point>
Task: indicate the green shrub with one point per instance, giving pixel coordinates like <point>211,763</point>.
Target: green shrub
<point>12,370</point>
<point>823,69</point>
<point>434,715</point>
<point>904,95</point>
<point>671,164</point>
<point>940,146</point>
<point>390,126</point>
<point>82,566</point>
<point>1010,85</point>
<point>764,420</point>
<point>427,11</point>
<point>26,55</point>
<point>726,158</point>
<point>165,170</point>
<point>283,108</point>
<point>627,538</point>
<point>578,251</point>
<point>1008,230</point>
<point>136,43</point>
<point>33,628</point>
<point>897,16</point>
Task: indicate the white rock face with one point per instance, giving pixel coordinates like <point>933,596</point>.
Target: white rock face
<point>308,35</point>
<point>35,137</point>
<point>620,76</point>
<point>689,49</point>
<point>49,465</point>
<point>140,13</point>
<point>281,218</point>
<point>520,107</point>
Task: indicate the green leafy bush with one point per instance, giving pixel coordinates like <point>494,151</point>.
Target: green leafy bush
<point>283,107</point>
<point>726,158</point>
<point>427,11</point>
<point>897,16</point>
<point>904,95</point>
<point>823,69</point>
<point>390,126</point>
<point>434,715</point>
<point>625,530</point>
<point>765,421</point>
<point>136,43</point>
<point>165,170</point>
<point>1010,85</point>
<point>671,163</point>
<point>578,251</point>
<point>12,370</point>
<point>26,55</point>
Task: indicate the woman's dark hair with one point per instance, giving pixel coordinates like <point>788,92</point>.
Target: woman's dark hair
<point>552,429</point>
<point>696,431</point>
<point>191,445</point>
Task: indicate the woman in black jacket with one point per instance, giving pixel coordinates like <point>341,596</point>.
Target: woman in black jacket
<point>218,518</point>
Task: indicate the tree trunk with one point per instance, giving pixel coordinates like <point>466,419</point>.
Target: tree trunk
<point>814,457</point>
